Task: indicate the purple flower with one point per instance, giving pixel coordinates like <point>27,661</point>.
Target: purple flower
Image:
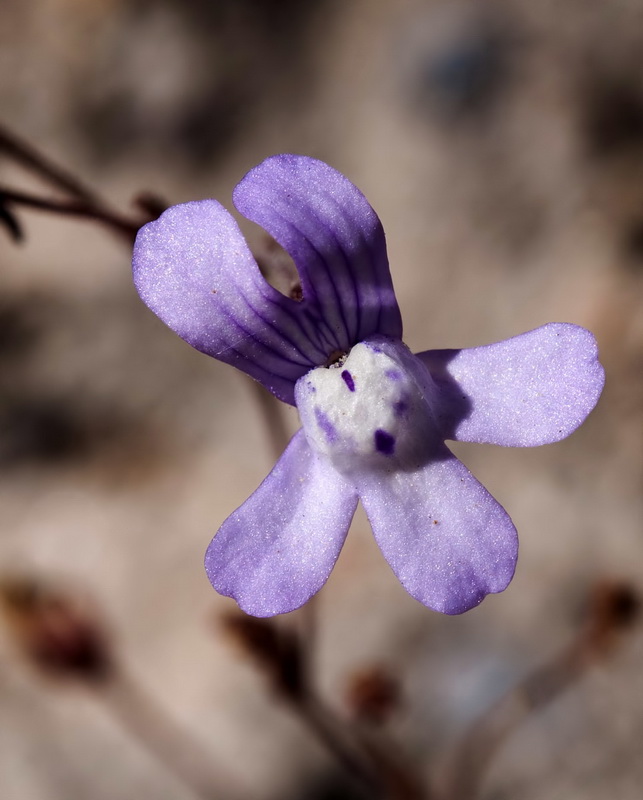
<point>374,416</point>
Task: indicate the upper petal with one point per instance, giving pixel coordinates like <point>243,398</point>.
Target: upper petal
<point>193,268</point>
<point>335,239</point>
<point>277,550</point>
<point>446,538</point>
<point>533,389</point>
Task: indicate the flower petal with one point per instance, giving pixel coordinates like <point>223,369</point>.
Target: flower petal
<point>447,540</point>
<point>193,268</point>
<point>533,389</point>
<point>335,239</point>
<point>275,551</point>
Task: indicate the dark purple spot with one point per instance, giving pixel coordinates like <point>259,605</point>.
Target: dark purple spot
<point>394,374</point>
<point>400,408</point>
<point>348,380</point>
<point>384,442</point>
<point>326,425</point>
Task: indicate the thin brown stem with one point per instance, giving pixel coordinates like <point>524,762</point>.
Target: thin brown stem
<point>73,208</point>
<point>401,781</point>
<point>475,752</point>
<point>337,739</point>
<point>280,652</point>
<point>369,764</point>
<point>172,745</point>
<point>61,635</point>
<point>308,630</point>
<point>612,608</point>
<point>360,753</point>
<point>82,202</point>
<point>30,158</point>
<point>367,759</point>
<point>274,424</point>
<point>278,436</point>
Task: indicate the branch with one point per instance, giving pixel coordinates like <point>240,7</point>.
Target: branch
<point>81,201</point>
<point>60,633</point>
<point>30,158</point>
<point>73,208</point>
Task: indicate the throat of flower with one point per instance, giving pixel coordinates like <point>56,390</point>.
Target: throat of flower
<point>336,359</point>
<point>367,409</point>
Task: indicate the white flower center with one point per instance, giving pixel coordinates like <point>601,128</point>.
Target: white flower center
<point>368,408</point>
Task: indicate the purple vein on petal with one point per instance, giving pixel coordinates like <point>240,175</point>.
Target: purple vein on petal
<point>311,328</point>
<point>334,237</point>
<point>366,255</point>
<point>249,336</point>
<point>280,334</point>
<point>338,306</point>
<point>346,273</point>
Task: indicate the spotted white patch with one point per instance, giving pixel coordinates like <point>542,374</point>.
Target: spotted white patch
<point>366,408</point>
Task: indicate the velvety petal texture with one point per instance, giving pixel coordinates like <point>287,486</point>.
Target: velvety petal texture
<point>374,415</point>
<point>447,540</point>
<point>277,550</point>
<point>193,268</point>
<point>533,389</point>
<point>335,239</point>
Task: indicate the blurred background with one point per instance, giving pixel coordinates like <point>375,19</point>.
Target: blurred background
<point>501,144</point>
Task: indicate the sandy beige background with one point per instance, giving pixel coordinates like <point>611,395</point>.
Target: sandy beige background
<point>502,146</point>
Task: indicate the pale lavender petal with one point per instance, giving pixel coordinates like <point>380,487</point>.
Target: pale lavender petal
<point>335,239</point>
<point>277,550</point>
<point>193,268</point>
<point>447,540</point>
<point>533,389</point>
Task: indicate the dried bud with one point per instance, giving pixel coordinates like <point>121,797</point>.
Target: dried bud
<point>373,694</point>
<point>613,607</point>
<point>276,651</point>
<point>10,222</point>
<point>296,292</point>
<point>56,630</point>
<point>150,204</point>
